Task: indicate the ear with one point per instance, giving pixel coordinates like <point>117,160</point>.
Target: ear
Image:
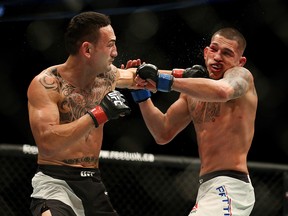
<point>86,49</point>
<point>205,52</point>
<point>242,61</point>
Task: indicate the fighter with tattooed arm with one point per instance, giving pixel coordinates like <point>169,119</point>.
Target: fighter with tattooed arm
<point>68,105</point>
<point>223,111</point>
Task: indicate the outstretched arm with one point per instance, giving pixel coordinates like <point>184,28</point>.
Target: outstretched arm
<point>235,83</point>
<point>126,74</point>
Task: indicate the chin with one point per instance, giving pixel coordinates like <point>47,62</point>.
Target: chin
<point>214,76</point>
<point>109,67</point>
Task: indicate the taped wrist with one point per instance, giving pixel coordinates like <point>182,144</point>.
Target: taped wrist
<point>140,95</point>
<point>177,73</point>
<point>98,115</point>
<point>165,82</point>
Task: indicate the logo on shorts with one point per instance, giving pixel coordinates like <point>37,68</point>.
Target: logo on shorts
<point>87,173</point>
<point>194,209</point>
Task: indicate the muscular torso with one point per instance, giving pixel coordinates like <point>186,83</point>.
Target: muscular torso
<point>224,131</point>
<point>73,103</point>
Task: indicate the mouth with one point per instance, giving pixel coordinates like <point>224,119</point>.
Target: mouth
<point>111,61</point>
<point>216,67</point>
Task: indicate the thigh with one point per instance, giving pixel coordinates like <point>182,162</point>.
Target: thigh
<point>209,204</point>
<point>42,207</point>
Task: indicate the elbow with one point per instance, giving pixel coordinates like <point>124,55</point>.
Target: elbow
<point>45,150</point>
<point>224,94</point>
<point>163,139</point>
<point>45,145</point>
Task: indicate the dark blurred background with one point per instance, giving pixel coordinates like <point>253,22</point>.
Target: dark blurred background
<point>166,33</point>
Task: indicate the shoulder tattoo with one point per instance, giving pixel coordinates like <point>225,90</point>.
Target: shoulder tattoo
<point>239,79</point>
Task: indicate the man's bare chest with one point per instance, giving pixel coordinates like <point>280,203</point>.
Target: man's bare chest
<point>203,112</point>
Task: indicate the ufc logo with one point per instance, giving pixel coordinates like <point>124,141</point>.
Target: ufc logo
<point>116,98</point>
<point>86,174</point>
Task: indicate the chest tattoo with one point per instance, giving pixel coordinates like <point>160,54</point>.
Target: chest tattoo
<point>205,112</point>
<point>74,102</point>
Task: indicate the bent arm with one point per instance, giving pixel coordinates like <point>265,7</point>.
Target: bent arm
<point>51,136</point>
<point>164,127</point>
<point>234,84</point>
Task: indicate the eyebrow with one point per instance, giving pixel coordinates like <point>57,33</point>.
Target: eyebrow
<point>224,49</point>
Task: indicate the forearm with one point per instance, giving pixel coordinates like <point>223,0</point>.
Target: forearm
<point>155,121</point>
<point>126,78</point>
<point>59,137</point>
<point>203,89</point>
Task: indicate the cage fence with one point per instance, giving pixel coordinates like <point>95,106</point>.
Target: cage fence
<point>141,184</point>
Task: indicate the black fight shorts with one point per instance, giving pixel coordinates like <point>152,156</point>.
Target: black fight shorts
<point>70,191</point>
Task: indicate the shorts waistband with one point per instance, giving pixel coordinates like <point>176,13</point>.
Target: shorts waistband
<point>68,172</point>
<point>230,173</point>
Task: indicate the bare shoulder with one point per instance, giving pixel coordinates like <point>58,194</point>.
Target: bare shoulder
<point>239,76</point>
<point>42,84</point>
<point>240,79</point>
<point>240,72</point>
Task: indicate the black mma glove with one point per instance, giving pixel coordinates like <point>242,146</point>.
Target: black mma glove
<point>196,71</point>
<point>140,95</point>
<point>149,71</point>
<point>165,81</point>
<point>111,107</point>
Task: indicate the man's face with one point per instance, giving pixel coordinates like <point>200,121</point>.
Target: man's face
<point>221,55</point>
<point>105,49</point>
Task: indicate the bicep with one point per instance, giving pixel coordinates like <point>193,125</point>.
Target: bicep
<point>43,110</point>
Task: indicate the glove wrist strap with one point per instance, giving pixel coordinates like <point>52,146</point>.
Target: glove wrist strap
<point>98,115</point>
<point>140,95</point>
<point>164,82</point>
<point>177,73</point>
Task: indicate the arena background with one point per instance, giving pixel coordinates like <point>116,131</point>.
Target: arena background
<point>166,33</point>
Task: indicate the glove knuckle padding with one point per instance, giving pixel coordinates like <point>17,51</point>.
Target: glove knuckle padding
<point>114,105</point>
<point>197,71</point>
<point>148,71</point>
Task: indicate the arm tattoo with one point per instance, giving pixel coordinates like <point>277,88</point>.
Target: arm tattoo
<point>239,80</point>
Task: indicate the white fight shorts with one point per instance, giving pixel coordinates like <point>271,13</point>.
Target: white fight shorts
<point>224,193</point>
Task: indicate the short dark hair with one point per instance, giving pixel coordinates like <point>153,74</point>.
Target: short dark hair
<point>233,34</point>
<point>84,27</point>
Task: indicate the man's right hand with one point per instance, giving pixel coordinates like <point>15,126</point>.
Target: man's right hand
<point>112,106</point>
<point>131,63</point>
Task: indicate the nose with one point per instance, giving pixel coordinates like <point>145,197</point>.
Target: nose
<point>114,52</point>
<point>217,56</point>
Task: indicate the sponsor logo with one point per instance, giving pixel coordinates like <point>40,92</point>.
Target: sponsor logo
<point>87,173</point>
<point>226,200</point>
<point>127,156</point>
<point>28,149</point>
<point>194,209</point>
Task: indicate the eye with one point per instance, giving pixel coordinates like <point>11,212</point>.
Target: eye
<point>228,53</point>
<point>212,49</point>
<point>111,44</point>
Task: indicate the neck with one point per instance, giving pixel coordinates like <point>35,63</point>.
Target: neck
<point>76,73</point>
